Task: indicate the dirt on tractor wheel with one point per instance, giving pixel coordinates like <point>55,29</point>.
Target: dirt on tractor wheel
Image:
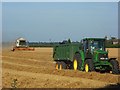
<point>36,69</point>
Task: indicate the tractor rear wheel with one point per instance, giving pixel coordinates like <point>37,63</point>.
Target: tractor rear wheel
<point>88,66</point>
<point>115,66</point>
<point>77,61</point>
<point>75,64</point>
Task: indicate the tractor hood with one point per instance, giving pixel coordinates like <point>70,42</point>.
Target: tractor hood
<point>101,52</point>
<point>102,55</point>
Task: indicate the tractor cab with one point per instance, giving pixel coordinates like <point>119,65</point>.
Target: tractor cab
<point>90,45</point>
<point>94,50</point>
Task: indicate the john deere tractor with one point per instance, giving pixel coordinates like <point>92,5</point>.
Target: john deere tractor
<point>88,55</point>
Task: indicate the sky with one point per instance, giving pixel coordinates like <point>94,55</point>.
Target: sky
<point>56,21</point>
<point>118,19</point>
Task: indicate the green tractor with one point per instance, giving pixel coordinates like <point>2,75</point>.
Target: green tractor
<point>89,55</point>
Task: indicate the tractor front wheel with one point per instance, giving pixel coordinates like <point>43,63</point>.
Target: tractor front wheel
<point>88,66</point>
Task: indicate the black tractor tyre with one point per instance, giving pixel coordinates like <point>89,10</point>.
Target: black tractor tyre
<point>79,60</point>
<point>115,66</point>
<point>89,65</point>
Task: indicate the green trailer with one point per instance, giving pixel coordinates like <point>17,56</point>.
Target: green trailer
<point>88,55</point>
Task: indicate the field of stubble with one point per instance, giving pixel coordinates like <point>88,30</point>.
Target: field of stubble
<point>36,69</point>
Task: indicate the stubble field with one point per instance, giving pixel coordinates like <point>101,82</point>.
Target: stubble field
<point>36,69</point>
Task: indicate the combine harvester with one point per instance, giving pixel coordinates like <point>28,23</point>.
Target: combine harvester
<point>22,44</point>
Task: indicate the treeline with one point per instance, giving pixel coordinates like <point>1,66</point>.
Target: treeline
<point>111,43</point>
<point>47,44</point>
<point>112,46</point>
<point>43,44</point>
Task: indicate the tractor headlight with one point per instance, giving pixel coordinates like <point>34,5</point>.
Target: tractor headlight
<point>104,58</point>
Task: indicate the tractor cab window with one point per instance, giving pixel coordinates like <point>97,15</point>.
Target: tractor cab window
<point>91,45</point>
<point>96,45</point>
<point>101,45</point>
<point>85,45</point>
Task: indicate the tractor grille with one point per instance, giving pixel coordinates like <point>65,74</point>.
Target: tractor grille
<point>103,56</point>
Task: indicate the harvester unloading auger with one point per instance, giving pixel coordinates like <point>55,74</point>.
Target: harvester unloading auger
<point>22,44</point>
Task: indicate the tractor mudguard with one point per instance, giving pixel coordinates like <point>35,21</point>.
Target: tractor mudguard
<point>112,59</point>
<point>83,59</point>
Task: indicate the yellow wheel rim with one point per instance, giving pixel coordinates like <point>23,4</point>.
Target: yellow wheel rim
<point>75,64</point>
<point>86,68</point>
<point>56,66</point>
<point>60,67</point>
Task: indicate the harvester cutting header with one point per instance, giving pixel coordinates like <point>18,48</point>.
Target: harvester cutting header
<point>22,44</point>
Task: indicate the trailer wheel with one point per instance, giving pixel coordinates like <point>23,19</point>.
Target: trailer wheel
<point>64,66</point>
<point>115,66</point>
<point>57,66</point>
<point>60,65</point>
<point>77,61</point>
<point>88,66</point>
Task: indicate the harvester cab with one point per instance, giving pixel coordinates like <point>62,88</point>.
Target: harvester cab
<point>22,44</point>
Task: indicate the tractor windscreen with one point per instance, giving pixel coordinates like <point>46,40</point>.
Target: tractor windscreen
<point>97,44</point>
